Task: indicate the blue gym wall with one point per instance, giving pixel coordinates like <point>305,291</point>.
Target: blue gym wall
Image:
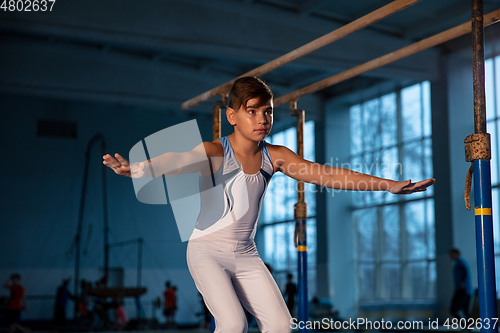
<point>42,181</point>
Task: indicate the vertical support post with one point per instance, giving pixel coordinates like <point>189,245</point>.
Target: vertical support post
<point>105,214</point>
<point>217,111</point>
<point>300,215</point>
<point>217,115</point>
<point>139,278</point>
<point>482,182</point>
<point>77,241</point>
<point>478,66</point>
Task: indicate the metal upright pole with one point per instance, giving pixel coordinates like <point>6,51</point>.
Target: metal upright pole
<point>78,236</point>
<point>139,275</point>
<point>105,214</point>
<point>300,215</point>
<point>482,181</point>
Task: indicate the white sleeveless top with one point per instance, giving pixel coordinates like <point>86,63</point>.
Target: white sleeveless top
<point>231,199</point>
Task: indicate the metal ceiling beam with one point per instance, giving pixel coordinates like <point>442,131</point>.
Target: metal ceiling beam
<point>310,6</point>
<point>261,11</point>
<point>439,21</point>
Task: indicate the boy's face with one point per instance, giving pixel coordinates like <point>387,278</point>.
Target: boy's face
<point>253,121</point>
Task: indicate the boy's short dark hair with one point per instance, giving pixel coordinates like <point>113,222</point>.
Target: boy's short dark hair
<point>454,251</point>
<point>247,87</point>
<point>15,276</point>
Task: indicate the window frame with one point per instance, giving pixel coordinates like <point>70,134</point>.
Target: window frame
<point>381,294</point>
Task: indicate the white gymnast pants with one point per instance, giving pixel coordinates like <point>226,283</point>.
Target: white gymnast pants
<point>231,274</point>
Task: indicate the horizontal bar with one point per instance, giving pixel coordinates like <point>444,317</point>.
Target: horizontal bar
<point>314,45</point>
<point>424,44</point>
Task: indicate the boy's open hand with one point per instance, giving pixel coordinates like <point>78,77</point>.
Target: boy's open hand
<point>408,187</point>
<point>122,167</point>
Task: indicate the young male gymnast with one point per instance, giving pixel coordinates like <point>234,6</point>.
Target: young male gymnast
<point>221,253</point>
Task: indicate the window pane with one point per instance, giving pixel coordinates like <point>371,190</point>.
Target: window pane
<point>391,242</point>
<point>310,190</point>
<point>390,169</point>
<point>358,197</point>
<point>268,211</point>
<point>491,128</point>
<point>269,241</point>
<point>428,169</point>
<point>497,84</point>
<point>280,255</point>
<point>311,242</point>
<point>371,124</point>
<point>496,223</point>
<point>280,204</point>
<point>279,139</point>
<point>432,280</point>
<point>291,197</point>
<point>391,278</point>
<point>389,120</point>
<point>292,250</point>
<point>366,221</point>
<point>416,237</point>
<point>371,166</point>
<point>497,275</point>
<point>309,144</point>
<point>411,110</point>
<point>426,99</point>
<point>413,163</point>
<point>418,280</point>
<point>431,237</point>
<point>291,138</point>
<point>366,281</point>
<point>490,89</point>
<point>356,129</point>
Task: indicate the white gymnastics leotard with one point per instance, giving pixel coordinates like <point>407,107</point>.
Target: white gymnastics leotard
<point>222,256</point>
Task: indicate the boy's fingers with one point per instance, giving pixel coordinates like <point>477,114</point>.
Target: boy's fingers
<point>111,162</point>
<point>120,159</point>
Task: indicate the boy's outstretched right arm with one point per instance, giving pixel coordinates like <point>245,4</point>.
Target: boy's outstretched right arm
<point>168,164</point>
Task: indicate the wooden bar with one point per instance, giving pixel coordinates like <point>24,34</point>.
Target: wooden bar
<point>424,44</point>
<point>316,44</point>
<point>478,67</point>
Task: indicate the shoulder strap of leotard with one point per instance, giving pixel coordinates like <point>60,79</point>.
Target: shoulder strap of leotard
<point>267,163</point>
<point>230,164</point>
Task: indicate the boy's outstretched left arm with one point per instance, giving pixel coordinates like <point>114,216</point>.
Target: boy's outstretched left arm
<point>298,168</point>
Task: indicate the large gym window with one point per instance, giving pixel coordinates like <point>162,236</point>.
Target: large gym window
<point>277,216</point>
<point>492,71</point>
<point>395,244</point>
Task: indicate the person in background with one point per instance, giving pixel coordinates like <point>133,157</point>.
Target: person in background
<point>290,292</point>
<point>170,303</point>
<point>17,303</point>
<point>84,303</point>
<point>462,285</point>
<point>62,297</point>
<point>121,318</point>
